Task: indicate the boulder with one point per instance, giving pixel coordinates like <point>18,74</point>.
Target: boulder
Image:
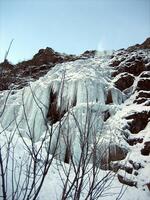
<point>134,141</point>
<point>135,67</point>
<point>127,181</point>
<point>138,121</point>
<point>115,63</point>
<point>143,84</point>
<point>146,150</point>
<point>111,152</point>
<point>125,81</point>
<point>145,74</point>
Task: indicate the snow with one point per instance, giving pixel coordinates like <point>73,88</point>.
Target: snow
<point>53,185</point>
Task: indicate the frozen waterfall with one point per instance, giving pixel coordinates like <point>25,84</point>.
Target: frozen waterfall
<point>80,89</point>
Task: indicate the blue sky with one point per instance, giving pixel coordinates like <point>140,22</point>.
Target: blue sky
<point>71,26</point>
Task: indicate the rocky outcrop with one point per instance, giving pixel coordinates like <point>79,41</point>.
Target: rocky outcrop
<point>134,141</point>
<point>133,66</point>
<point>146,150</point>
<point>47,56</point>
<point>132,77</point>
<point>143,97</point>
<point>125,81</point>
<point>126,181</point>
<point>143,84</point>
<point>17,76</point>
<point>88,54</point>
<point>138,121</point>
<point>144,45</point>
<point>113,152</point>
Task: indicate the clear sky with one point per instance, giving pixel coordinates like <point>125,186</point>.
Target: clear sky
<point>71,26</point>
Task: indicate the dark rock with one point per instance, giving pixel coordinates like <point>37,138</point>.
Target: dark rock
<point>6,65</point>
<point>21,73</point>
<point>46,56</point>
<point>106,115</point>
<point>115,73</point>
<point>129,170</point>
<point>145,94</point>
<point>143,84</point>
<point>142,97</point>
<point>126,181</point>
<point>135,68</point>
<point>140,100</point>
<point>125,81</point>
<point>134,141</point>
<point>146,150</point>
<point>137,166</point>
<point>147,66</point>
<point>109,98</point>
<point>112,153</point>
<point>89,54</point>
<point>114,166</point>
<point>136,173</point>
<point>67,154</point>
<point>147,103</point>
<point>144,45</point>
<point>138,121</point>
<point>131,59</point>
<point>54,113</point>
<point>145,74</point>
<point>115,63</point>
<point>148,185</point>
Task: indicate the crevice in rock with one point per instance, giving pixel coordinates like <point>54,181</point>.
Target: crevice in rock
<point>54,113</point>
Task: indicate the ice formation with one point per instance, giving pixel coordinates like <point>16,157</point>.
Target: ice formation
<point>78,91</point>
<point>84,83</point>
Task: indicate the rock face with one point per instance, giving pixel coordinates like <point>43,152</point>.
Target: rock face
<point>144,45</point>
<point>54,113</point>
<point>138,121</point>
<point>143,96</point>
<point>112,153</point>
<point>20,74</point>
<point>47,56</point>
<point>146,150</point>
<point>132,77</point>
<point>126,181</point>
<point>125,81</point>
<point>143,84</point>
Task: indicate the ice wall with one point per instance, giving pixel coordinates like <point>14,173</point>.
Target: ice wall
<point>81,89</point>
